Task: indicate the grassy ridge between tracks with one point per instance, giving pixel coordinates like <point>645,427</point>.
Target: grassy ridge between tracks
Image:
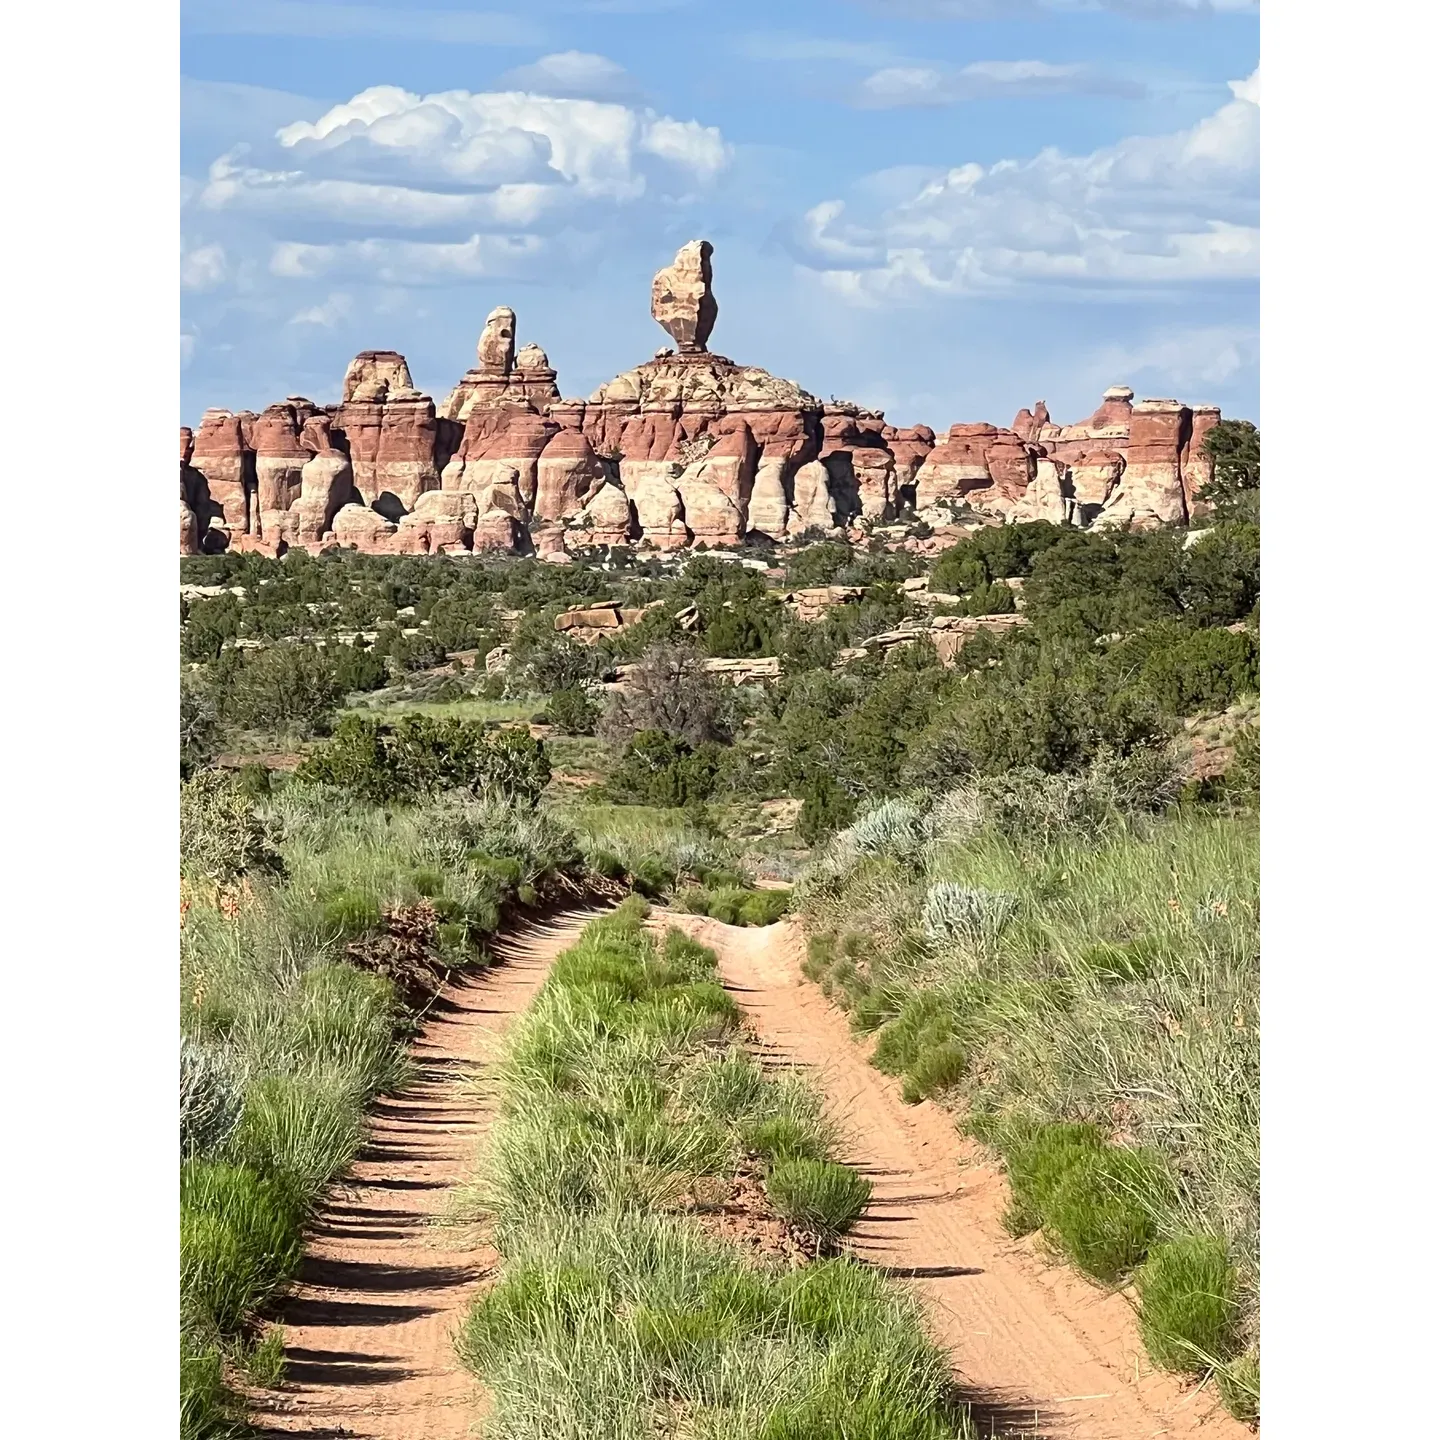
<point>632,1117</point>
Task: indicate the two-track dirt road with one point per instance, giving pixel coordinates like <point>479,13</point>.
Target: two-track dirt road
<point>369,1327</point>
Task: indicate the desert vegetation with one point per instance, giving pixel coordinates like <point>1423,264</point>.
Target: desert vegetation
<point>315,925</point>
<point>1028,873</point>
<point>1071,962</point>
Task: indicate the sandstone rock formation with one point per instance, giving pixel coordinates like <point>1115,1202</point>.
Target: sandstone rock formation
<point>681,300</point>
<point>686,448</point>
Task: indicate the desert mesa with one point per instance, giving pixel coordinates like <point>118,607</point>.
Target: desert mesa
<point>688,448</point>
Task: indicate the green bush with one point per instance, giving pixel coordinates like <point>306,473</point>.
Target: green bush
<point>222,835</point>
<point>1134,960</point>
<point>735,904</point>
<point>240,1239</point>
<point>299,1129</point>
<point>925,1020</point>
<point>571,711</point>
<point>606,864</point>
<point>652,877</point>
<point>936,1068</point>
<point>1187,1306</point>
<point>349,913</point>
<point>664,770</point>
<point>818,1195</point>
<point>1036,1162</point>
<point>357,668</point>
<point>418,756</point>
<point>783,1137</point>
<point>1101,1211</point>
<point>1239,1387</point>
<point>283,686</point>
<point>1205,670</point>
<point>209,1410</point>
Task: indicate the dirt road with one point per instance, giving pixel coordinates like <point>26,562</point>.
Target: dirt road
<point>1039,1350</point>
<point>368,1328</point>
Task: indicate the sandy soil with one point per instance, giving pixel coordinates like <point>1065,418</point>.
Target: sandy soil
<point>1038,1349</point>
<point>368,1327</point>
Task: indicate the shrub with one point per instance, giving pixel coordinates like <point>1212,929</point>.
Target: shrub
<point>357,668</point>
<point>783,1137</point>
<point>893,828</point>
<point>239,1239</point>
<point>669,690</point>
<point>571,711</point>
<point>652,877</point>
<point>1187,1308</point>
<point>199,724</point>
<point>418,756</point>
<point>955,914</point>
<point>818,1195</point>
<point>925,1020</point>
<point>936,1068</point>
<point>825,807</point>
<point>1239,1387</point>
<point>349,913</point>
<point>1035,1164</point>
<point>212,1094</point>
<point>606,864</point>
<point>300,1129</point>
<point>221,833</point>
<point>282,686</point>
<point>209,1410</point>
<point>1203,670</point>
<point>663,769</point>
<point>1101,1210</point>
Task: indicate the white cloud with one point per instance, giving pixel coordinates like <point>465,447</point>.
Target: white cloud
<point>404,188</point>
<point>1147,213</point>
<point>203,267</point>
<point>336,307</point>
<point>314,20</point>
<point>408,262</point>
<point>907,85</point>
<point>1181,361</point>
<point>572,73</point>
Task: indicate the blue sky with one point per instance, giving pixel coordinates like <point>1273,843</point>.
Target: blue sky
<point>943,208</point>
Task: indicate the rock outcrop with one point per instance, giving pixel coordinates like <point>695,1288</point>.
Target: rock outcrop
<point>686,448</point>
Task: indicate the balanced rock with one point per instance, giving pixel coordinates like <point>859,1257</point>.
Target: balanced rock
<point>681,299</point>
<point>496,350</point>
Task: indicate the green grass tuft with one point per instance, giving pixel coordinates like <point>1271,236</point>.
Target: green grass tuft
<point>1187,1304</point>
<point>818,1195</point>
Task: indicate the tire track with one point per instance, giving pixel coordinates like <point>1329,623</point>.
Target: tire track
<point>1037,1349</point>
<point>368,1327</point>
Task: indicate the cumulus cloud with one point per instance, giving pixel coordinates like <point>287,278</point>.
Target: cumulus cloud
<point>401,188</point>
<point>1183,361</point>
<point>574,74</point>
<point>409,263</point>
<point>334,309</point>
<point>202,267</point>
<point>1147,213</point>
<point>910,85</point>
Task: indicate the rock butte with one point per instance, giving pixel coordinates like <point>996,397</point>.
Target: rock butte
<point>688,447</point>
